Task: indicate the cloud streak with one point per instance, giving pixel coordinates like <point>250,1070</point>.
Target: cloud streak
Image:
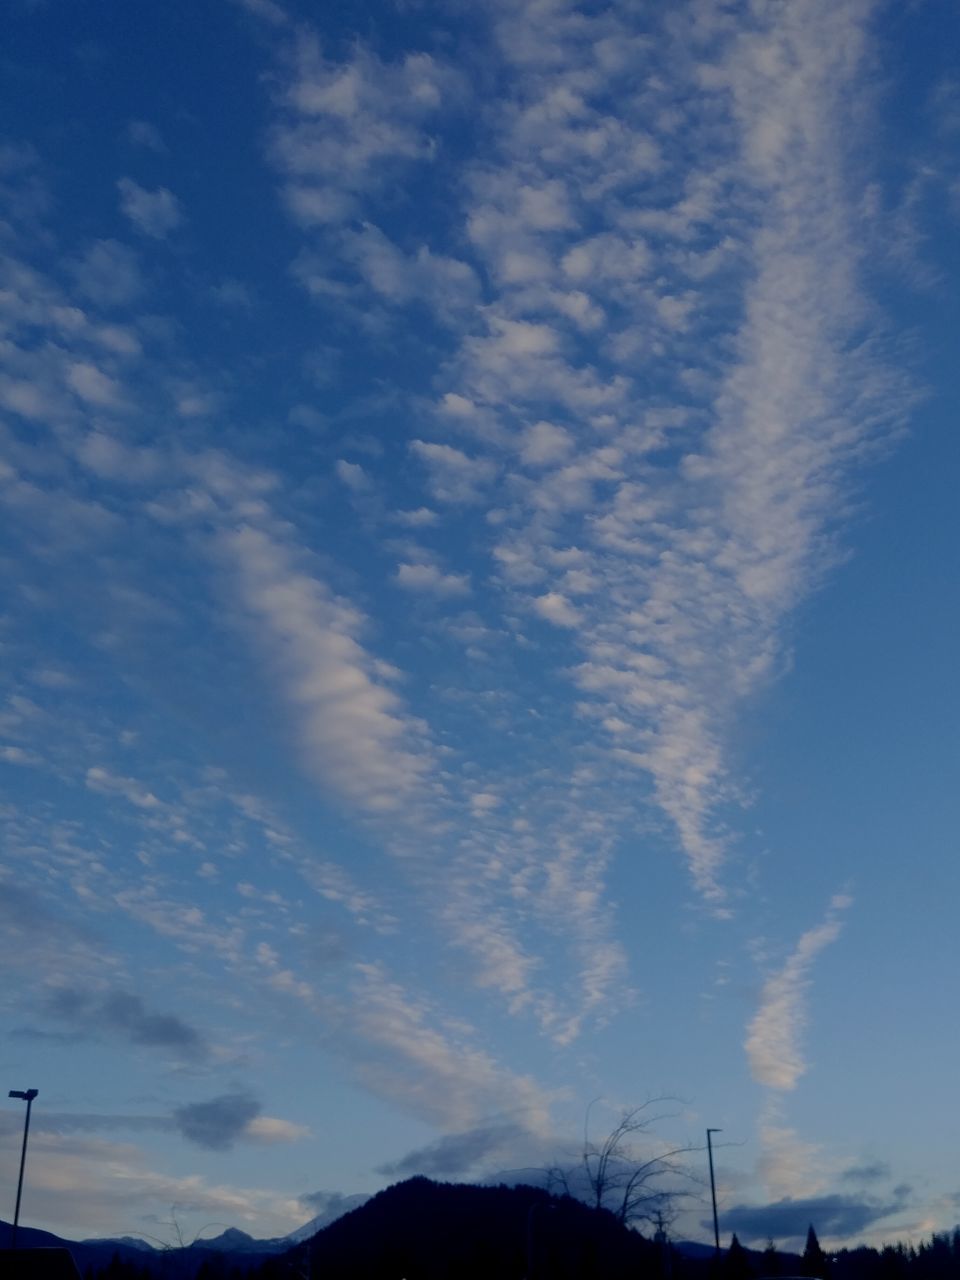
<point>773,1043</point>
<point>435,1071</point>
<point>355,733</point>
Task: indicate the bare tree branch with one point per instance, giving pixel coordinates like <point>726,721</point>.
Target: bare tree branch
<point>619,1172</point>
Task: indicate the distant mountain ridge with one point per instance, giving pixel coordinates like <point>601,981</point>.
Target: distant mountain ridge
<point>231,1240</point>
<point>96,1253</point>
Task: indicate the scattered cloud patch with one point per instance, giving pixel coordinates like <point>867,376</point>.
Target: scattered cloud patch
<point>416,519</point>
<point>430,579</point>
<point>349,126</point>
<point>10,754</point>
<point>353,476</point>
<point>271,1130</point>
<point>154,213</point>
<point>93,386</point>
<point>454,476</point>
<point>556,608</point>
<point>111,784</point>
<point>108,274</point>
<point>144,134</point>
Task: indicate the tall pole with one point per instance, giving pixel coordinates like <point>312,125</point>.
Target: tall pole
<point>713,1190</point>
<point>28,1096</point>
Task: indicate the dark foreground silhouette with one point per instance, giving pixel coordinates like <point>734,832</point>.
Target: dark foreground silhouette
<point>423,1230</point>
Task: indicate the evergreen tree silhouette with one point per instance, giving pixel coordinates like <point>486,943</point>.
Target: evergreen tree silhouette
<point>771,1260</point>
<point>736,1263</point>
<point>814,1262</point>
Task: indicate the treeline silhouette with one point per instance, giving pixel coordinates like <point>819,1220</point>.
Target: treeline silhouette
<point>935,1259</point>
<point>424,1230</point>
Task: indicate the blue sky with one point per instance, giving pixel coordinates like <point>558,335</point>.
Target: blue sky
<point>479,613</point>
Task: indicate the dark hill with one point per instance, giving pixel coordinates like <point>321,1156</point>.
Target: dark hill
<point>423,1230</point>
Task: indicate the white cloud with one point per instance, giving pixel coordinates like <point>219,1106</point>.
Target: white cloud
<point>354,731</point>
<point>437,1073</point>
<point>348,126</point>
<point>455,477</point>
<point>267,10</point>
<point>773,1037</point>
<point>144,134</point>
<point>118,340</point>
<point>155,213</point>
<point>417,518</point>
<point>195,402</point>
<point>335,885</point>
<point>112,784</point>
<point>608,257</point>
<point>557,609</point>
<point>445,284</point>
<point>233,293</point>
<point>430,579</point>
<point>353,476</point>
<point>113,459</point>
<point>271,1130</point>
<point>545,444</point>
<point>19,755</point>
<point>108,274</point>
<point>93,386</point>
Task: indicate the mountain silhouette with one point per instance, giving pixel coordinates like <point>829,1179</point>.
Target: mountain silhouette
<point>424,1230</point>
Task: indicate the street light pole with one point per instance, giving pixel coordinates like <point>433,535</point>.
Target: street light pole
<point>28,1096</point>
<point>713,1190</point>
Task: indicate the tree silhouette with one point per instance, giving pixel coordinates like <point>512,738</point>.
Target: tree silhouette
<point>736,1262</point>
<point>814,1262</point>
<point>636,1183</point>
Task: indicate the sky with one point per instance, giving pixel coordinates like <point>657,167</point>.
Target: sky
<point>479,603</point>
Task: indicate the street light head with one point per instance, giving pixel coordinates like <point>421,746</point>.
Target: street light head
<point>27,1095</point>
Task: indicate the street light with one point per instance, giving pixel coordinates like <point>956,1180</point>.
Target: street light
<point>27,1095</point>
<point>713,1191</point>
